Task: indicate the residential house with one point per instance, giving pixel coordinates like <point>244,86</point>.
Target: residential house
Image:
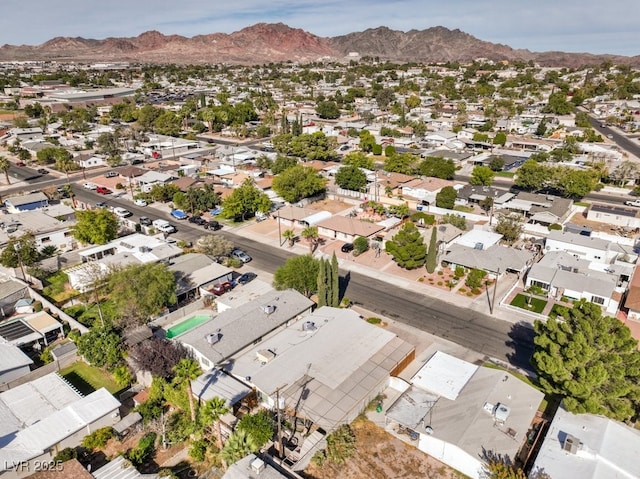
<point>44,416</point>
<point>14,363</point>
<point>589,447</point>
<point>11,291</point>
<point>542,209</point>
<point>561,274</point>
<point>195,272</point>
<point>459,410</point>
<point>614,215</point>
<point>133,249</point>
<point>150,178</point>
<point>347,229</point>
<point>235,330</point>
<point>37,329</point>
<point>31,201</point>
<point>424,190</point>
<point>50,226</point>
<point>326,367</point>
<point>440,138</point>
<point>632,301</point>
<point>90,161</point>
<point>586,247</point>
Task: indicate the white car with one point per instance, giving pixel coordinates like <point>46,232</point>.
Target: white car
<point>121,212</point>
<point>140,202</point>
<point>90,186</point>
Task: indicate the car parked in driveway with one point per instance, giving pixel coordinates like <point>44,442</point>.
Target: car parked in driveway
<point>89,186</point>
<point>246,277</point>
<point>347,248</point>
<point>111,174</point>
<point>121,212</point>
<point>144,221</point>
<point>103,191</point>
<point>213,225</point>
<point>241,255</point>
<point>140,202</point>
<point>221,288</point>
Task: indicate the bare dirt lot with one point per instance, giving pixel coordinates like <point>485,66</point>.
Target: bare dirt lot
<point>382,456</point>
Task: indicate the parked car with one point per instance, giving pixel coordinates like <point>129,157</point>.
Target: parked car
<point>20,163</point>
<point>179,214</point>
<point>260,216</point>
<point>212,225</point>
<point>221,288</point>
<point>216,211</point>
<point>241,255</point>
<point>89,186</point>
<point>144,221</point>
<point>103,191</point>
<point>140,202</point>
<point>111,174</point>
<point>164,226</point>
<point>43,171</point>
<point>347,248</point>
<point>199,220</point>
<point>121,212</point>
<point>635,203</point>
<point>246,278</point>
<point>101,204</point>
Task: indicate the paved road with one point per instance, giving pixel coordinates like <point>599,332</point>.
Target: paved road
<point>476,331</point>
<point>631,145</point>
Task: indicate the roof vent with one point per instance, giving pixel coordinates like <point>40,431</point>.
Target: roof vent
<point>501,412</point>
<point>214,338</point>
<point>257,465</point>
<point>479,246</point>
<point>265,355</point>
<point>571,444</point>
<point>309,326</point>
<point>268,308</point>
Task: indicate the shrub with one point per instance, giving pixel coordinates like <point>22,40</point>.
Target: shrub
<point>341,444</point>
<point>374,320</point>
<point>98,438</point>
<point>46,356</point>
<point>459,272</point>
<point>319,458</point>
<point>360,244</point>
<point>150,409</point>
<point>198,450</point>
<point>474,278</point>
<point>144,451</point>
<point>554,226</point>
<point>37,306</point>
<point>377,149</point>
<point>440,273</point>
<point>439,283</point>
<point>65,455</point>
<point>421,218</point>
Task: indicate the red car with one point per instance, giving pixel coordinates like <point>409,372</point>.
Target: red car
<point>103,191</point>
<point>20,163</point>
<point>221,288</point>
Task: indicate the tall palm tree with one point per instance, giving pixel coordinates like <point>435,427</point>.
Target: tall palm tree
<point>186,371</point>
<point>4,166</point>
<point>65,163</point>
<point>290,236</point>
<point>310,233</point>
<point>238,446</point>
<point>212,411</point>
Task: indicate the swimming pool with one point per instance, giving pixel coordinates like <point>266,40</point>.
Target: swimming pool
<point>187,324</point>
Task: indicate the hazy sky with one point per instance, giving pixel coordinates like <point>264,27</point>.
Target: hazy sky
<point>594,26</point>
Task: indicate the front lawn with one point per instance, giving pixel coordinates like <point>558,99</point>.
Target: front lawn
<point>57,287</point>
<point>88,379</point>
<point>524,301</point>
<point>505,174</point>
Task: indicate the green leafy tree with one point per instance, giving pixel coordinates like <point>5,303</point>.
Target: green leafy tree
<point>413,102</point>
<point>575,183</point>
<point>367,141</point>
<point>500,138</point>
<point>432,252</point>
<point>141,291</point>
<point>297,183</point>
<point>497,466</point>
<point>187,370</point>
<point>359,160</point>
<point>437,168</point>
<point>407,247</point>
<point>360,245</point>
<point>385,97</point>
<point>496,163</point>
<point>405,163</point>
<point>590,360</point>
<point>351,178</point>
<point>509,226</point>
<point>101,347</point>
<point>4,167</point>
<point>95,226</point>
<point>64,162</point>
<point>281,163</point>
<point>245,201</point>
<point>259,426</point>
<point>20,251</point>
<point>446,197</point>
<point>313,146</point>
<point>328,110</point>
<point>98,438</point>
<point>558,104</point>
<point>299,273</point>
<point>541,129</point>
<point>482,175</point>
<point>475,277</point>
<point>214,245</point>
<point>532,176</point>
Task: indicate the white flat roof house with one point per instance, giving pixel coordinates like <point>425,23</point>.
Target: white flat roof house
<point>459,409</point>
<point>589,447</point>
<point>42,417</point>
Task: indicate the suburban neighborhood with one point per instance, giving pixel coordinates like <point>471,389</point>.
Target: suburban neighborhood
<point>288,269</point>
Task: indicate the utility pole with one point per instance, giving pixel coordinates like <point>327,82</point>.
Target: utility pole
<point>279,448</point>
<point>495,287</point>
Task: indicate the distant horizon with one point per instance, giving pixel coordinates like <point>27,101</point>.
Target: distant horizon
<point>588,26</point>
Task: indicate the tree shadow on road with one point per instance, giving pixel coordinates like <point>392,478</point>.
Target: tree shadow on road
<point>343,283</point>
<point>521,342</point>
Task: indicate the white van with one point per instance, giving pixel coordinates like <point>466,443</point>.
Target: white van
<point>164,226</point>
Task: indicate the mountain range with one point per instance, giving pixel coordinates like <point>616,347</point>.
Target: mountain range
<point>275,42</point>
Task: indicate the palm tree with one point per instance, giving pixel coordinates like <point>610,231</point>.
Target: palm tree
<point>290,236</point>
<point>186,371</point>
<point>4,166</point>
<point>65,163</point>
<point>238,446</point>
<point>212,411</point>
<point>310,233</point>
